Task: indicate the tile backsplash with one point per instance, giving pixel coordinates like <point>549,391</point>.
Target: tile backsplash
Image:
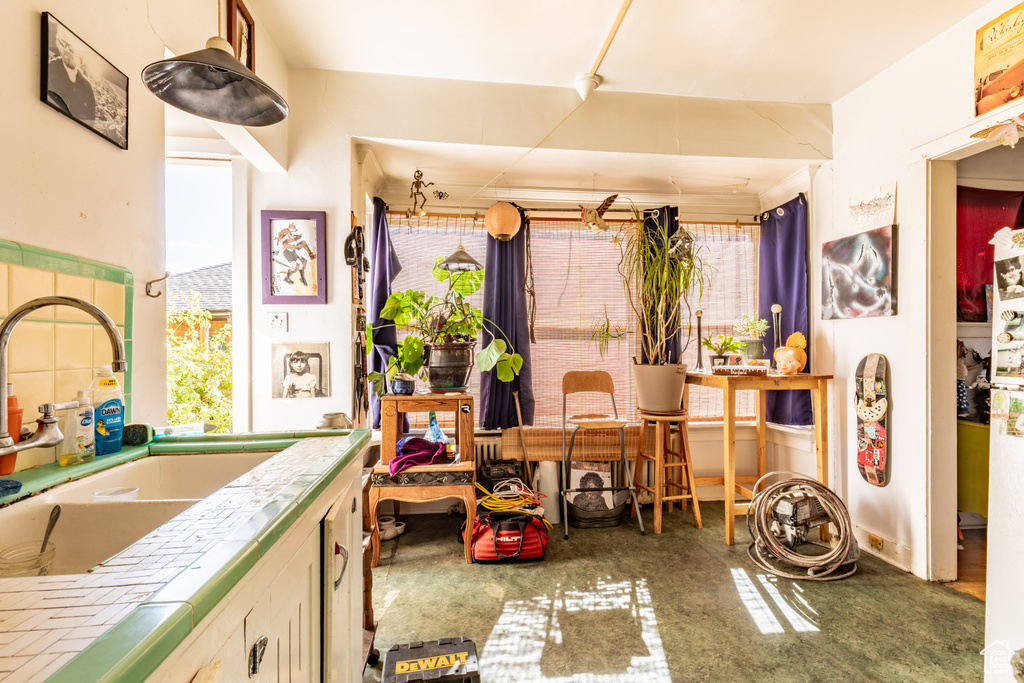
<point>53,352</point>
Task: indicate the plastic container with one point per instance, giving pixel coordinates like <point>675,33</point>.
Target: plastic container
<point>108,401</point>
<point>79,431</point>
<point>14,413</point>
<point>115,494</point>
<point>24,559</point>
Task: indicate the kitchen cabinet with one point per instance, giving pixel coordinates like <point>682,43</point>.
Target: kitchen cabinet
<point>282,632</point>
<point>302,596</point>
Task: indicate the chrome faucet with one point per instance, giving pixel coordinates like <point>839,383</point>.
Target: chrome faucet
<point>47,434</point>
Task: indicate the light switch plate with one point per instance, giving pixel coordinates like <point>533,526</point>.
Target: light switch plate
<point>277,322</point>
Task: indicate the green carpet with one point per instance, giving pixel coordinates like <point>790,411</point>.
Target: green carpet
<point>612,605</point>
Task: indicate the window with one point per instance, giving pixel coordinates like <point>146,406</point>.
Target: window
<point>578,290</point>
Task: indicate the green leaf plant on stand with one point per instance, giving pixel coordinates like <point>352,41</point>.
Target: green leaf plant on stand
<point>442,328</point>
<point>663,276</point>
<point>753,329</point>
<point>720,345</point>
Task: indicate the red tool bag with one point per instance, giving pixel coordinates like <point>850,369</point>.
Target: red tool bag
<point>506,536</point>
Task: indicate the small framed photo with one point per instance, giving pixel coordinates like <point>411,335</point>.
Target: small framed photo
<point>1010,278</point>
<point>79,83</point>
<point>242,33</point>
<point>300,370</point>
<point>761,363</point>
<point>734,360</point>
<point>294,257</point>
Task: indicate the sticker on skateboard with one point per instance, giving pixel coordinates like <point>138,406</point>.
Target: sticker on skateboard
<point>872,418</point>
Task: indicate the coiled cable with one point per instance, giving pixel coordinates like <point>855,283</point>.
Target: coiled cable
<point>763,542</point>
<point>513,494</point>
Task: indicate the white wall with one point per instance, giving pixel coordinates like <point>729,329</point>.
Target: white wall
<point>67,189</point>
<point>888,130</point>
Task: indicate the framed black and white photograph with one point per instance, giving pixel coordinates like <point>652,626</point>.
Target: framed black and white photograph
<point>1010,278</point>
<point>301,370</point>
<point>79,83</point>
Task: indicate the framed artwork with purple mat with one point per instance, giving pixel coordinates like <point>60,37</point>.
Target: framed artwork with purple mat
<point>294,257</point>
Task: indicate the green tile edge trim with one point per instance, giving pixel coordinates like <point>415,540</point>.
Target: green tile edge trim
<point>10,252</point>
<point>133,648</point>
<point>44,259</point>
<point>208,580</point>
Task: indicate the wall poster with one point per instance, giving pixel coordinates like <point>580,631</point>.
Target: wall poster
<point>999,61</point>
<point>858,275</point>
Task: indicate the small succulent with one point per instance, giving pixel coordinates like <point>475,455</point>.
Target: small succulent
<point>721,344</point>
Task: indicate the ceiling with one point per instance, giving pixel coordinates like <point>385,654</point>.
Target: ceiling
<point>799,51</point>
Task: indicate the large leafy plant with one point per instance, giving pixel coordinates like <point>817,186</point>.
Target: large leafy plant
<point>661,275</point>
<point>432,319</point>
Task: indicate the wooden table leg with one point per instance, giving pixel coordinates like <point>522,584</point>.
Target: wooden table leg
<point>659,472</point>
<point>729,443</point>
<point>469,500</point>
<point>761,411</point>
<point>819,397</point>
<point>375,534</point>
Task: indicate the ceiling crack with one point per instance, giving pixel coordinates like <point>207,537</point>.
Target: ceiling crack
<point>787,132</point>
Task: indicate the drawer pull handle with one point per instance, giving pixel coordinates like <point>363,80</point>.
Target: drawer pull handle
<point>259,648</point>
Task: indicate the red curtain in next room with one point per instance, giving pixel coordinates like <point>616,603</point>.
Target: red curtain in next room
<point>979,215</point>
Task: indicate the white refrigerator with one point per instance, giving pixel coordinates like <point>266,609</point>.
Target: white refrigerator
<point>1004,607</point>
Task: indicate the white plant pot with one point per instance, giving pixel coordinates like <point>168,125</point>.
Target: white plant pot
<point>659,388</point>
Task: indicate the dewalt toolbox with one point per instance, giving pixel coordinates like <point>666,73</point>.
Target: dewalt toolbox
<point>446,659</point>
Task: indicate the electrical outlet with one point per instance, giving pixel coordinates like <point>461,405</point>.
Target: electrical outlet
<point>277,322</point>
<point>876,541</point>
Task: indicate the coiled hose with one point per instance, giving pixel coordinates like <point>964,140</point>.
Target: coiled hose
<point>763,540</point>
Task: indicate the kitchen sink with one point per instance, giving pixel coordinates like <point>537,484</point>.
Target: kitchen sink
<point>89,532</point>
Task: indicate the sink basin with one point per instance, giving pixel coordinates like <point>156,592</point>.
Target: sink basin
<point>162,477</point>
<point>89,532</point>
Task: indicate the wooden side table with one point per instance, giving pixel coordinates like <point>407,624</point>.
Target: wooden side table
<point>424,483</point>
<point>729,385</point>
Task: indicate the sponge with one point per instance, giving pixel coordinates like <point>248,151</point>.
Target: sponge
<point>137,435</point>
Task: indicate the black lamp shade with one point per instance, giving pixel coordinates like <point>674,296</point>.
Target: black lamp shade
<point>212,84</point>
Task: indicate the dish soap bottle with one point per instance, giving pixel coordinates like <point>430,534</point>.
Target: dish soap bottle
<point>108,401</point>
<point>79,443</point>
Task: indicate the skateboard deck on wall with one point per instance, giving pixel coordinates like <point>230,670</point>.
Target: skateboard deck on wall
<point>872,419</point>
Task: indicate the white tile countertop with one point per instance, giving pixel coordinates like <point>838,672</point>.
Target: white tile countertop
<point>47,621</point>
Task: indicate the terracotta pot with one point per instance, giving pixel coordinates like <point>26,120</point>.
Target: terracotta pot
<point>449,365</point>
<point>659,388</point>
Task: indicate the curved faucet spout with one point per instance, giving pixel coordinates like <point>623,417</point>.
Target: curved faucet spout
<point>119,364</point>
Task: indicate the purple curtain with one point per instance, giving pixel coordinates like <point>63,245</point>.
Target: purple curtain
<point>384,268</point>
<point>505,306</point>
<point>783,280</point>
<point>667,216</point>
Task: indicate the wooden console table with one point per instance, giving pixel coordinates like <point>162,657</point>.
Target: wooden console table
<point>729,385</point>
<point>424,483</point>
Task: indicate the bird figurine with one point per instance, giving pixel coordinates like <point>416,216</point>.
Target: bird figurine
<point>594,217</point>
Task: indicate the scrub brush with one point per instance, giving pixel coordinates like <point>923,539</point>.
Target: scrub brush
<point>137,435</point>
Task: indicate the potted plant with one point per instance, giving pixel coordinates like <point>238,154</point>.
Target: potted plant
<point>402,369</point>
<point>443,333</point>
<point>720,346</point>
<point>661,274</point>
<point>753,328</point>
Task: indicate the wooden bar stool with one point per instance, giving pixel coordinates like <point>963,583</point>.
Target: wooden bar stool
<point>673,470</point>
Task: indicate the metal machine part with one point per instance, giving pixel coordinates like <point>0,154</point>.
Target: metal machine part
<point>795,513</point>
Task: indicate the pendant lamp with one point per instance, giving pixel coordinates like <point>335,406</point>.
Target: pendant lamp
<point>460,261</point>
<point>212,84</point>
<point>502,221</point>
